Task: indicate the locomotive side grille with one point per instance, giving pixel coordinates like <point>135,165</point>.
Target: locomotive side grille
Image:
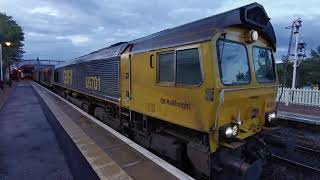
<point>106,70</point>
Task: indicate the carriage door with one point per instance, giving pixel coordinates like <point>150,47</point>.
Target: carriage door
<point>125,68</point>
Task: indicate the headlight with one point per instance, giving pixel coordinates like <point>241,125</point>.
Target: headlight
<point>229,131</point>
<point>271,116</point>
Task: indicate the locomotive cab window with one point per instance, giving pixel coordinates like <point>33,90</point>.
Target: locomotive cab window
<point>181,67</point>
<point>233,62</point>
<point>263,65</point>
<point>188,67</point>
<point>166,67</point>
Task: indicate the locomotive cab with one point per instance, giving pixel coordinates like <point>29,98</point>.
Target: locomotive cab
<point>246,82</point>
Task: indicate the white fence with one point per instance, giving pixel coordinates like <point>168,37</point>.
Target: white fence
<point>299,96</point>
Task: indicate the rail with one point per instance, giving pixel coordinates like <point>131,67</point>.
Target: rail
<point>299,96</point>
<point>295,148</point>
<point>305,168</point>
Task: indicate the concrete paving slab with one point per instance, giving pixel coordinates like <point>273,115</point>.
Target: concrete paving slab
<point>148,170</point>
<point>125,155</point>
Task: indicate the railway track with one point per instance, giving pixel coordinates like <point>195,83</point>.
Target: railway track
<point>295,151</point>
<point>305,168</point>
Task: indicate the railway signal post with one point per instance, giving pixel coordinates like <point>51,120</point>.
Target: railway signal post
<point>298,53</point>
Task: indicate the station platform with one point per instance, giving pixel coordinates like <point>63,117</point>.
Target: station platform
<point>28,146</point>
<point>300,113</point>
<point>105,153</point>
<point>304,118</point>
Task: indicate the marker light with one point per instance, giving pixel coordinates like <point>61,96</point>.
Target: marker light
<point>235,130</point>
<point>254,35</point>
<point>271,116</point>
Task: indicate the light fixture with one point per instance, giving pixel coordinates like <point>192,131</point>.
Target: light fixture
<point>229,132</point>
<point>235,129</point>
<point>8,43</point>
<point>271,116</point>
<point>254,35</point>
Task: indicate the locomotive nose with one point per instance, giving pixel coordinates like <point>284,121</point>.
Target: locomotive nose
<point>250,109</point>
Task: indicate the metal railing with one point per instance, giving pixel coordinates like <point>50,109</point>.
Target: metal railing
<point>299,96</point>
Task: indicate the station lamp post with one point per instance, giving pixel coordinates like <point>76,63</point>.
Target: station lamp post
<point>5,44</point>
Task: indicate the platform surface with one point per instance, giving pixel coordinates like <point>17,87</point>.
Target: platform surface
<point>28,146</point>
<point>304,118</point>
<point>300,113</point>
<point>109,153</point>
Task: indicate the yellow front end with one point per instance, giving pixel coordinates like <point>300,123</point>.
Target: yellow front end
<point>246,104</point>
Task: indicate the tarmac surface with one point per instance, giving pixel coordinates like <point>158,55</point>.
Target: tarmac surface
<point>28,146</point>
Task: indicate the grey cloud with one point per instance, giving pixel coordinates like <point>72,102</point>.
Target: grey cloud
<point>72,28</point>
<point>309,33</point>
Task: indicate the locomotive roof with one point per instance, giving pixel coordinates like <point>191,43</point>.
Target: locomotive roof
<point>104,53</point>
<point>252,16</point>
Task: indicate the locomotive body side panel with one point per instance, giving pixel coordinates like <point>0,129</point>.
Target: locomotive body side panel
<point>181,104</point>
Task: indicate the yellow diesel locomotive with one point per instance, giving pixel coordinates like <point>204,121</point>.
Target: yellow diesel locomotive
<point>197,94</point>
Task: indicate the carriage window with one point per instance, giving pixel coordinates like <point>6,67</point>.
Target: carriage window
<point>233,61</point>
<point>188,67</point>
<point>166,67</point>
<point>263,65</point>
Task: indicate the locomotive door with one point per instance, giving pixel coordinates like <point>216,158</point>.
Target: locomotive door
<point>125,68</point>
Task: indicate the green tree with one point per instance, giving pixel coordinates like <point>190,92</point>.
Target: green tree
<point>308,72</point>
<point>11,31</point>
<point>315,53</point>
<point>285,69</point>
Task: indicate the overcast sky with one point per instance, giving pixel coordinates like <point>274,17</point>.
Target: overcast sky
<point>64,29</point>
